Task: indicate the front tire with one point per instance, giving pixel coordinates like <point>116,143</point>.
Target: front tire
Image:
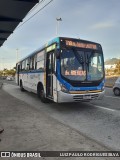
<point>21,86</point>
<point>117,91</point>
<point>41,94</point>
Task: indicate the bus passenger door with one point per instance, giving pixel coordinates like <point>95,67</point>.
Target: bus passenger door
<point>49,75</point>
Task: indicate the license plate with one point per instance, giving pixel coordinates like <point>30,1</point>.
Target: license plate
<point>87,97</point>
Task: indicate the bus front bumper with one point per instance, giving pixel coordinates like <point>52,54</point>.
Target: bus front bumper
<point>67,97</point>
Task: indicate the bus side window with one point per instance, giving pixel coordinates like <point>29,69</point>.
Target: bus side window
<point>23,65</point>
<point>32,63</point>
<point>40,65</point>
<point>27,65</point>
<point>40,61</point>
<point>35,62</point>
<point>20,66</point>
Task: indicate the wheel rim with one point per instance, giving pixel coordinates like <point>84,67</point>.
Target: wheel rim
<point>41,93</point>
<point>117,92</point>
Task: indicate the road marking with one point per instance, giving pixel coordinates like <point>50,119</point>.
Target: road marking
<point>109,109</point>
<point>112,97</point>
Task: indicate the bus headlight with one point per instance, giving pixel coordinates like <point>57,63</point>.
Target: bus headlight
<point>103,88</point>
<point>64,89</point>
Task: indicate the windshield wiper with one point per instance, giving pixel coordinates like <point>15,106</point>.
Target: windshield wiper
<point>88,60</point>
<point>79,58</point>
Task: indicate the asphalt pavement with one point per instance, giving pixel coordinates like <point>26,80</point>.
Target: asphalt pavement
<point>29,128</point>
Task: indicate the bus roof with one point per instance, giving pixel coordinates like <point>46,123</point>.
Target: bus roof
<point>55,40</point>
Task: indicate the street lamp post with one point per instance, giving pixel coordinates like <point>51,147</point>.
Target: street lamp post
<point>57,25</point>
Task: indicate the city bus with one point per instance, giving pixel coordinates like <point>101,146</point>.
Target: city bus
<point>64,70</point>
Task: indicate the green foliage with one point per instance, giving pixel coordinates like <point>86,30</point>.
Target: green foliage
<point>7,72</point>
<point>118,66</point>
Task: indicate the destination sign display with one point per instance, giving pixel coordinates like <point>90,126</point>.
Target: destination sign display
<point>80,44</point>
<point>50,48</point>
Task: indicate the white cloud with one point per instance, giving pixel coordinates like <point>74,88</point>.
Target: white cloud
<point>103,25</point>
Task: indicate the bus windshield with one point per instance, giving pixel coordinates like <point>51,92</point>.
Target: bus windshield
<point>79,65</point>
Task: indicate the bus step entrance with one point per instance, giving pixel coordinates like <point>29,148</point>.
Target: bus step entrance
<point>50,97</point>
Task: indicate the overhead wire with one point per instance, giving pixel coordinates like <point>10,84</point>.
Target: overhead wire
<point>35,7</point>
<point>35,13</point>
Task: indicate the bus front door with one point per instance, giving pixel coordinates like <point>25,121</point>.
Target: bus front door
<point>49,75</point>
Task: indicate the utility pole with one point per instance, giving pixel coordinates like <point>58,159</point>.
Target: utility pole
<point>57,25</point>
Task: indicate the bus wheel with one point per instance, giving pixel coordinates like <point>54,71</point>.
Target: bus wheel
<point>21,86</point>
<point>41,94</point>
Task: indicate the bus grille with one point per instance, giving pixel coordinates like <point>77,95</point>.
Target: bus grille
<point>85,97</point>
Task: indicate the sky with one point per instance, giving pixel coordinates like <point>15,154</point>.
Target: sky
<point>93,20</point>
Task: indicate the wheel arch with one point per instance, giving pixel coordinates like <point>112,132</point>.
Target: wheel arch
<point>40,89</point>
<point>40,84</point>
<point>116,88</point>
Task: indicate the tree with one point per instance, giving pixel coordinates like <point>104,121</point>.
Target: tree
<point>118,67</point>
<point>7,72</point>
